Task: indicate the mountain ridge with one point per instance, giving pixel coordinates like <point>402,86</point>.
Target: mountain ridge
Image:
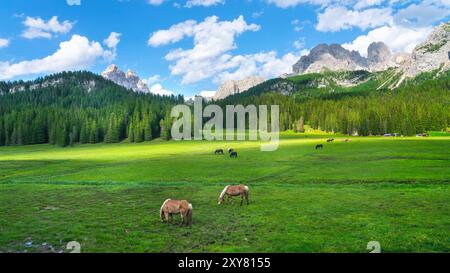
<point>431,54</point>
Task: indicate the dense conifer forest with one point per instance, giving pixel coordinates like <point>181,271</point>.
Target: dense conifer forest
<point>81,107</point>
<point>417,106</point>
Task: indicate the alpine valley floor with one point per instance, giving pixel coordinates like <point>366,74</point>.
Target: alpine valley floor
<point>107,197</point>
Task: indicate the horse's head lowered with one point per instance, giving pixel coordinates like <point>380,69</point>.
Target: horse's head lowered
<point>222,195</point>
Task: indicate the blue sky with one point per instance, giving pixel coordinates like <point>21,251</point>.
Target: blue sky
<point>192,45</point>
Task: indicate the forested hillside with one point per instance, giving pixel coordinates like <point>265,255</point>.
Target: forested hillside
<point>365,106</point>
<point>79,107</point>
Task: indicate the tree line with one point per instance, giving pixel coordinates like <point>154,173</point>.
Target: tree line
<point>81,107</point>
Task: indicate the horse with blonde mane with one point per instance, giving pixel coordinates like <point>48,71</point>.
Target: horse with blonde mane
<point>231,191</point>
<point>182,207</point>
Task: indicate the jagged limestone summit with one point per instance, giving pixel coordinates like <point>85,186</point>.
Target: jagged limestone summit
<point>128,80</point>
<point>229,88</point>
<point>432,54</point>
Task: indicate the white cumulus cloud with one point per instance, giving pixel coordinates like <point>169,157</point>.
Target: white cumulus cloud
<point>73,2</point>
<point>152,79</point>
<point>423,14</point>
<point>207,94</point>
<point>4,42</point>
<point>361,4</point>
<point>36,27</point>
<point>203,3</point>
<point>172,35</point>
<point>293,3</point>
<point>263,64</point>
<point>76,54</point>
<point>213,39</point>
<point>157,89</point>
<point>155,2</point>
<point>409,26</point>
<point>339,18</point>
<point>111,42</point>
<point>189,3</point>
<point>398,38</point>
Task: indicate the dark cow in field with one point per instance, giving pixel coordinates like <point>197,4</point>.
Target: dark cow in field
<point>320,146</point>
<point>233,155</point>
<point>330,140</point>
<point>219,152</point>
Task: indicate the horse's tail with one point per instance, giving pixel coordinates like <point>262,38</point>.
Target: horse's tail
<point>189,214</point>
<point>161,211</point>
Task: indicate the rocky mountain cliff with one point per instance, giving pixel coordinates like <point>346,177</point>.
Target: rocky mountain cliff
<point>128,80</point>
<point>379,57</point>
<point>432,54</point>
<point>336,58</point>
<point>229,88</point>
<point>331,57</point>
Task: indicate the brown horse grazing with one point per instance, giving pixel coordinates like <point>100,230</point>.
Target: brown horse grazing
<point>183,207</point>
<point>230,191</point>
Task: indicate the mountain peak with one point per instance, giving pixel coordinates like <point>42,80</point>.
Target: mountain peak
<point>432,54</point>
<point>232,87</point>
<point>131,73</point>
<point>379,56</point>
<point>335,57</point>
<point>111,68</point>
<point>128,80</point>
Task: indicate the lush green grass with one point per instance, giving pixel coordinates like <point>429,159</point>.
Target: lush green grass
<point>107,197</point>
<point>440,134</point>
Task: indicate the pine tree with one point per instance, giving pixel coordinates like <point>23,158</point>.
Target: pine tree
<point>148,131</point>
<point>84,135</point>
<point>138,133</point>
<point>94,133</point>
<point>131,132</point>
<point>63,138</point>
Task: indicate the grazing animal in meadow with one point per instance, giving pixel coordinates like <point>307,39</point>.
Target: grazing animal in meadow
<point>231,191</point>
<point>219,152</point>
<point>320,146</point>
<point>233,154</point>
<point>347,140</point>
<point>182,207</point>
<point>330,140</point>
<point>230,150</point>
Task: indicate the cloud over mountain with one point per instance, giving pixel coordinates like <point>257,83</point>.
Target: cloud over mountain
<point>212,41</point>
<point>211,58</point>
<point>75,54</point>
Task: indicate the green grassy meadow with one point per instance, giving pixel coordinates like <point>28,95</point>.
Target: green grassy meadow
<point>107,196</point>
